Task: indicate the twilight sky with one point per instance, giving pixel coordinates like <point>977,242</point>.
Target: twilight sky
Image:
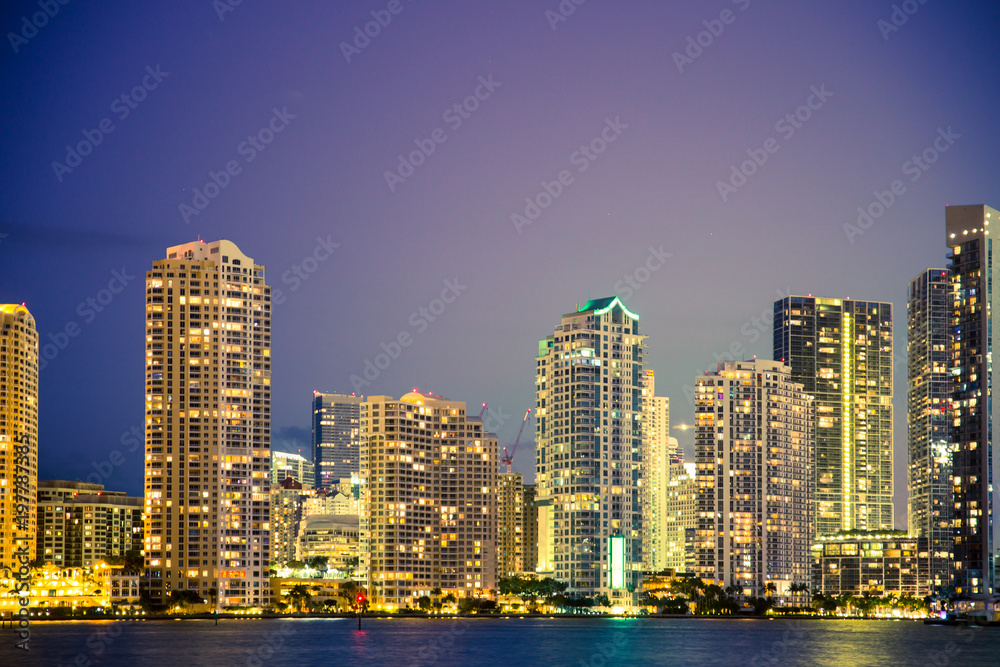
<point>618,99</point>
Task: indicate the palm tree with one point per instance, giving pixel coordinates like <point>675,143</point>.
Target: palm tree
<point>299,593</point>
<point>770,588</point>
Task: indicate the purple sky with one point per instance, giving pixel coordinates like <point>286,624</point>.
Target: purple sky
<point>323,177</point>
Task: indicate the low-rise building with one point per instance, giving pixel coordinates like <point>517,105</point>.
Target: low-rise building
<point>878,562</point>
<point>334,536</point>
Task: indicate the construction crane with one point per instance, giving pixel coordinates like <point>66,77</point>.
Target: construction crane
<point>483,411</point>
<point>508,457</point>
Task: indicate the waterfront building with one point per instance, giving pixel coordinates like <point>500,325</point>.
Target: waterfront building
<point>840,351</point>
<point>336,437</point>
<point>18,434</point>
<point>429,505</point>
<point>655,473</point>
<point>973,411</point>
<point>589,436</point>
<point>82,524</point>
<point>208,417</point>
<point>334,536</point>
<point>929,303</point>
<point>753,453</point>
<point>877,563</point>
<point>510,525</point>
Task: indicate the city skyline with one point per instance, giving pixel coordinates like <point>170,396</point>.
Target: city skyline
<point>314,205</point>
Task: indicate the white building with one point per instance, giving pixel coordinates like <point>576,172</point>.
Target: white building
<point>588,421</point>
<point>753,450</point>
<point>286,464</point>
<point>655,473</point>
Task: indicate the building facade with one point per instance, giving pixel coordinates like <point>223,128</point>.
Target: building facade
<point>682,518</point>
<point>588,439</point>
<point>753,453</point>
<point>288,500</point>
<point>529,521</point>
<point>334,536</point>
<point>336,437</point>
<point>877,563</point>
<point>840,351</point>
<point>208,416</point>
<point>655,473</point>
<point>929,304</point>
<point>18,434</point>
<point>973,411</point>
<point>81,524</point>
<point>510,524</point>
<point>285,464</point>
<point>429,483</point>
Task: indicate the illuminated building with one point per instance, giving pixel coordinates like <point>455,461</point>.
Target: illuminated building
<point>840,351</point>
<point>208,417</point>
<point>81,524</point>
<point>529,521</point>
<point>332,535</point>
<point>588,435</point>
<point>18,432</point>
<point>878,563</point>
<point>655,473</point>
<point>287,510</point>
<point>510,524</point>
<point>929,305</point>
<point>681,519</point>
<point>753,453</point>
<point>973,412</point>
<point>429,499</point>
<point>336,437</point>
<point>284,464</point>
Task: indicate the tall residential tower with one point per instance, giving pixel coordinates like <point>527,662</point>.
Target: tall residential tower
<point>929,304</point>
<point>589,407</point>
<point>18,434</point>
<point>840,351</point>
<point>208,418</point>
<point>655,477</point>
<point>336,437</point>
<point>973,411</point>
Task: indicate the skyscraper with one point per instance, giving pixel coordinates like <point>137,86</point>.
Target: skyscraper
<point>589,408</point>
<point>285,464</point>
<point>973,410</point>
<point>18,433</point>
<point>208,417</point>
<point>682,518</point>
<point>656,454</point>
<point>753,451</point>
<point>840,351</point>
<point>929,304</point>
<point>429,504</point>
<point>336,437</point>
<point>529,521</point>
<point>510,524</point>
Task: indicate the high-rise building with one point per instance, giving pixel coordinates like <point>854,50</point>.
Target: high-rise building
<point>336,437</point>
<point>753,452</point>
<point>429,503</point>
<point>288,498</point>
<point>929,304</point>
<point>285,464</point>
<point>973,410</point>
<point>882,564</point>
<point>588,434</point>
<point>840,351</point>
<point>655,477</point>
<point>682,518</point>
<point>529,521</point>
<point>208,417</point>
<point>18,434</point>
<point>81,524</point>
<point>510,524</point>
